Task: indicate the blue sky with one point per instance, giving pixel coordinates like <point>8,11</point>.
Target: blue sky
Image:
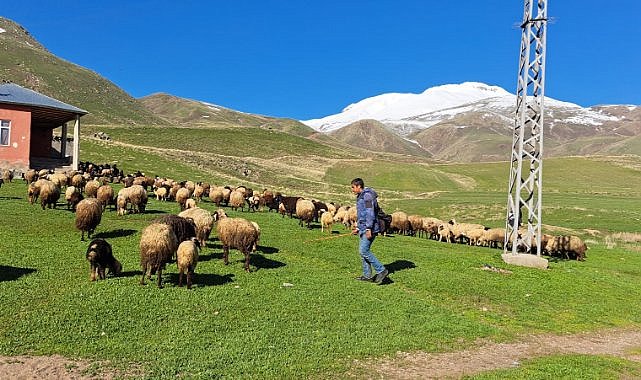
<point>309,59</point>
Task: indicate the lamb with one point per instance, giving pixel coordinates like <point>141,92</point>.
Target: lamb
<point>569,246</point>
<point>88,216</point>
<point>282,210</point>
<point>237,200</point>
<point>305,211</point>
<point>181,197</point>
<point>190,203</point>
<point>100,257</point>
<point>72,196</point>
<point>157,246</point>
<point>237,233</point>
<point>204,222</point>
<point>326,220</point>
<point>187,259</point>
<point>105,196</point>
<point>161,193</point>
<point>91,188</point>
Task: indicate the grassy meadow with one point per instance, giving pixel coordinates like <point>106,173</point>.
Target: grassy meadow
<point>300,313</point>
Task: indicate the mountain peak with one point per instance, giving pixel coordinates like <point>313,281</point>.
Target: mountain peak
<point>16,33</point>
<point>397,106</point>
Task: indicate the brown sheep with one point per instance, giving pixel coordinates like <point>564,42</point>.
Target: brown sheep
<point>216,195</point>
<point>49,194</point>
<point>568,246</point>
<point>100,257</point>
<point>157,246</point>
<point>72,196</point>
<point>236,233</point>
<point>400,222</point>
<point>416,224</point>
<point>7,175</point>
<point>105,196</point>
<point>326,220</point>
<point>493,238</point>
<point>88,216</point>
<point>237,200</point>
<point>91,188</point>
<point>204,223</point>
<point>305,210</point>
<point>187,259</point>
<point>30,176</point>
<point>181,197</point>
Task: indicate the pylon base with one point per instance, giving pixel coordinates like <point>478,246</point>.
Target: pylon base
<point>525,260</point>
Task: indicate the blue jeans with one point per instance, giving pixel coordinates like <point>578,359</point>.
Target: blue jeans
<point>368,257</point>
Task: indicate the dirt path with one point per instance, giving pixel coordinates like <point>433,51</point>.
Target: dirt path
<point>418,365</point>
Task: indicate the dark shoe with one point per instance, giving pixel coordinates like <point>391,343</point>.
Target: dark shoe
<point>363,278</point>
<point>381,276</point>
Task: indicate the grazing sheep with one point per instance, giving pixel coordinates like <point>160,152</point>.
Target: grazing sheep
<point>253,202</point>
<point>187,259</point>
<point>88,216</point>
<point>226,194</point>
<point>30,176</point>
<point>340,215</point>
<point>161,193</point>
<point>331,207</point>
<point>493,238</point>
<point>77,180</point>
<point>416,224</point>
<point>49,194</point>
<point>326,220</point>
<point>430,226</point>
<point>135,195</point>
<point>181,197</point>
<point>91,188</point>
<point>59,179</point>
<point>318,206</point>
<point>72,196</point>
<point>268,199</point>
<point>7,175</point>
<point>157,246</point>
<point>289,203</point>
<point>100,257</point>
<point>237,200</point>
<point>216,195</point>
<point>473,235</point>
<point>43,173</point>
<point>568,246</point>
<point>105,196</point>
<point>459,230</point>
<point>203,220</point>
<point>184,228</point>
<point>305,211</point>
<point>350,217</point>
<point>236,233</point>
<point>199,191</point>
<point>400,222</point>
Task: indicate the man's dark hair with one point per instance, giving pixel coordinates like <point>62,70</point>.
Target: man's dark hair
<point>358,182</point>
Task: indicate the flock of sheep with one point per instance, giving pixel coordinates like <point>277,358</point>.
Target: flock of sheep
<point>180,237</point>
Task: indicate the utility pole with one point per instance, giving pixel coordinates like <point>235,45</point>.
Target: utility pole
<point>524,192</point>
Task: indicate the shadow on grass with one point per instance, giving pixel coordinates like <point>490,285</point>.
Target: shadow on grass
<point>130,273</point>
<point>11,198</point>
<point>201,279</point>
<point>210,256</point>
<point>267,250</point>
<point>8,273</point>
<point>399,265</point>
<point>114,234</point>
<point>261,262</point>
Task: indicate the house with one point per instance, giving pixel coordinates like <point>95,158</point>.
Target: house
<point>27,123</point>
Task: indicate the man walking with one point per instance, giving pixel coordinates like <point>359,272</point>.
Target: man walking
<point>366,229</point>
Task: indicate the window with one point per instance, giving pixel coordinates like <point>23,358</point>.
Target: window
<point>5,128</point>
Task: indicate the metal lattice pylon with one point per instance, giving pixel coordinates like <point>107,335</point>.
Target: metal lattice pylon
<point>524,193</point>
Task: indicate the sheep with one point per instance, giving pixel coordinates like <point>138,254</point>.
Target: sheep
<point>136,195</point>
<point>459,230</point>
<point>216,195</point>
<point>59,179</point>
<point>253,202</point>
<point>72,196</point>
<point>33,190</point>
<point>281,209</point>
<point>569,246</point>
<point>157,246</point>
<point>30,176</point>
<point>88,216</point>
<point>226,193</point>
<point>326,220</point>
<point>305,211</point>
<point>474,235</point>
<point>331,207</point>
<point>289,203</point>
<point>237,199</point>
<point>199,191</point>
<point>91,188</point>
<point>7,175</point>
<point>493,238</point>
<point>203,220</point>
<point>257,227</point>
<point>105,195</point>
<point>1,182</point>
<point>49,194</point>
<point>340,215</point>
<point>182,195</point>
<point>416,224</point>
<point>78,181</point>
<point>43,173</point>
<point>268,199</point>
<point>430,226</point>
<point>161,193</point>
<point>350,217</point>
<point>184,228</point>
<point>190,203</point>
<point>318,206</point>
<point>100,257</point>
<point>400,222</point>
<point>187,259</point>
<point>236,233</point>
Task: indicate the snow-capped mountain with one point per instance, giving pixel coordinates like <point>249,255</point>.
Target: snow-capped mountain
<point>408,113</point>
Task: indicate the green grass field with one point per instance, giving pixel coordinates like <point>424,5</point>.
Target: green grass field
<point>249,325</point>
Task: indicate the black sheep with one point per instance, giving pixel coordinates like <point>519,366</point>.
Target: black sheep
<point>100,256</point>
